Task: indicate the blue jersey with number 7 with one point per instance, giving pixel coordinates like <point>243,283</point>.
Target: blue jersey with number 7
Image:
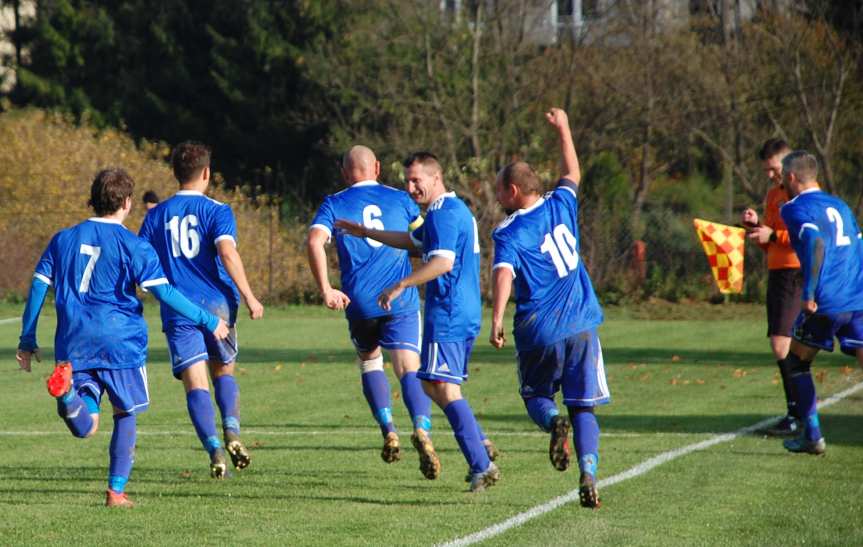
<point>814,213</point>
<point>184,230</point>
<point>540,246</point>
<point>94,267</point>
<point>368,266</point>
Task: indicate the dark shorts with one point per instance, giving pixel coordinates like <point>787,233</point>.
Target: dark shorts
<point>403,331</point>
<point>819,329</point>
<point>784,289</point>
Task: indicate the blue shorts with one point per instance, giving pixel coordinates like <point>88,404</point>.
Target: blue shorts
<point>574,364</point>
<point>403,331</point>
<point>819,329</point>
<point>189,344</point>
<point>126,388</point>
<point>445,361</point>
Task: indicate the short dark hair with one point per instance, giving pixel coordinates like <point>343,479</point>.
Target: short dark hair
<point>424,158</point>
<point>803,164</point>
<point>188,160</point>
<point>772,147</point>
<point>109,190</point>
<point>522,175</point>
<point>150,197</point>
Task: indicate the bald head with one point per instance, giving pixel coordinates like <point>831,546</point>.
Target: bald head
<point>359,163</point>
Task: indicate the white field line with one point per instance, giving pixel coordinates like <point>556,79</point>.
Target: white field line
<point>10,320</point>
<point>633,472</point>
<point>250,431</point>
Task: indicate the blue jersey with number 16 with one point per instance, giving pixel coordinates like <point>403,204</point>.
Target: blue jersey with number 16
<point>368,266</point>
<point>539,245</point>
<point>840,283</point>
<point>94,268</point>
<point>184,230</point>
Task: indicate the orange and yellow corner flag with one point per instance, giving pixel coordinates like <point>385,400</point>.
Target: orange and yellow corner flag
<point>723,246</point>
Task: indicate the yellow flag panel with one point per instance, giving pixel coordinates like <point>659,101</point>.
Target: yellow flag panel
<point>723,246</point>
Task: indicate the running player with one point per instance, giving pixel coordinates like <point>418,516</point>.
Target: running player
<point>196,240</point>
<point>367,268</point>
<point>100,344</point>
<point>557,313</point>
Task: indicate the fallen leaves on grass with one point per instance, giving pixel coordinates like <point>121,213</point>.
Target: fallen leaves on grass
<point>185,474</point>
<point>675,358</point>
<point>820,376</point>
<point>278,367</point>
<point>846,370</point>
<point>739,373</point>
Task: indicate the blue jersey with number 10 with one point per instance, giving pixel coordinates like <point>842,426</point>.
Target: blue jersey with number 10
<point>94,268</point>
<point>840,283</point>
<point>184,230</point>
<point>539,245</point>
<point>368,266</point>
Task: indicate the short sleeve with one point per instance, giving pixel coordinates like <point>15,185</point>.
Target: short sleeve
<point>45,267</point>
<point>324,218</point>
<point>146,269</point>
<point>796,220</point>
<point>441,233</point>
<point>567,191</point>
<point>146,231</point>
<point>505,253</point>
<point>414,216</point>
<point>224,225</point>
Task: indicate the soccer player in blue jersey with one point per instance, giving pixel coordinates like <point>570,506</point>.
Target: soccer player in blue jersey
<point>451,252</point>
<point>367,268</point>
<point>826,238</point>
<point>100,344</point>
<point>196,240</point>
<point>557,313</point>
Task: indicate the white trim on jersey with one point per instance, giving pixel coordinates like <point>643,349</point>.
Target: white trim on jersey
<point>146,387</point>
<point>45,279</point>
<point>105,220</point>
<point>154,282</point>
<point>225,237</point>
<point>436,204</point>
<point>322,227</point>
<point>446,253</point>
<point>568,189</point>
<point>367,182</point>
<point>807,225</point>
<point>188,193</point>
<point>506,265</point>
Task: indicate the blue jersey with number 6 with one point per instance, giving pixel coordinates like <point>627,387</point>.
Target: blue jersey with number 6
<point>94,267</point>
<point>184,230</point>
<point>368,266</point>
<point>814,213</point>
<point>539,245</point>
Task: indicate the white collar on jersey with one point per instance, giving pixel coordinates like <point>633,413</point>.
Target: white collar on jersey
<point>809,191</point>
<point>536,204</point>
<point>188,193</point>
<point>105,220</point>
<point>364,183</point>
<point>437,203</point>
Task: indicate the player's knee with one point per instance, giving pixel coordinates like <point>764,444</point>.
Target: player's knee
<point>371,365</point>
<point>794,365</point>
<point>93,429</point>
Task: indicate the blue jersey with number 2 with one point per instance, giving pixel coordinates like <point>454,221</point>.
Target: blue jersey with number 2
<point>539,245</point>
<point>94,268</point>
<point>184,230</point>
<point>840,283</point>
<point>368,266</point>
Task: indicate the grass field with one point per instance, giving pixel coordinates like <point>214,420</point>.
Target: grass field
<point>317,478</point>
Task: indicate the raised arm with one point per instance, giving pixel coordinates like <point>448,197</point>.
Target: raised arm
<point>399,240</point>
<point>334,299</point>
<point>569,160</point>
<point>227,250</point>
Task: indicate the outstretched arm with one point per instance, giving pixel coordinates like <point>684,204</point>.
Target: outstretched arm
<point>399,240</point>
<point>436,267</point>
<point>227,250</point>
<point>334,299</point>
<point>501,289</point>
<point>175,300</point>
<point>569,160</point>
<point>27,346</point>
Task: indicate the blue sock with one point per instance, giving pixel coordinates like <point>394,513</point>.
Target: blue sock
<point>466,431</point>
<point>416,401</point>
<point>122,451</point>
<point>376,388</point>
<point>228,399</point>
<point>807,404</point>
<point>72,408</point>
<point>541,410</point>
<point>203,418</point>
<point>585,434</point>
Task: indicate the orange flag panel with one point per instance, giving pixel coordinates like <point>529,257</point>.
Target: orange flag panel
<point>723,246</point>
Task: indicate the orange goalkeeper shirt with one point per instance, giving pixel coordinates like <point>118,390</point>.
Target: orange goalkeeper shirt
<point>780,255</point>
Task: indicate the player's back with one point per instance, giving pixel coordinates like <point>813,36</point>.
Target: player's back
<point>840,286</point>
<point>367,266</point>
<point>184,230</point>
<point>453,306</point>
<point>92,267</point>
<point>554,296</point>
